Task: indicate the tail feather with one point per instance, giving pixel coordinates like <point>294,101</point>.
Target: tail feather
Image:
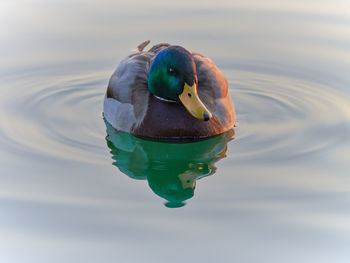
<point>143,45</point>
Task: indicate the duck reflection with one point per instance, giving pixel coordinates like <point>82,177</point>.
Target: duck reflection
<point>171,169</point>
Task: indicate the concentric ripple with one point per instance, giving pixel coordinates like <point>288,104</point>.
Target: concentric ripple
<point>60,117</point>
<point>282,117</point>
<point>278,117</point>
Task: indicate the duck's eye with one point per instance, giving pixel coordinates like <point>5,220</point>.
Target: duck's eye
<point>171,71</point>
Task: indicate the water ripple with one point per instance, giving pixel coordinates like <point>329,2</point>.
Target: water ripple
<point>62,118</point>
<point>278,117</point>
<point>282,117</point>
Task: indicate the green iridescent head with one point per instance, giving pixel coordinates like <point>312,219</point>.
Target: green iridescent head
<point>172,76</point>
<point>170,70</point>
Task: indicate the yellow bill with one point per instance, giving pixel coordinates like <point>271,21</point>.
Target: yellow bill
<point>189,98</point>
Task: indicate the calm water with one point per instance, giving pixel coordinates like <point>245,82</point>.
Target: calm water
<point>277,189</point>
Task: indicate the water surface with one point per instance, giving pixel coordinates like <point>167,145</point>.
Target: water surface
<point>278,188</point>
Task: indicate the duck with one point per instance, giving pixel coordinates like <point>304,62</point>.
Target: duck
<point>168,93</point>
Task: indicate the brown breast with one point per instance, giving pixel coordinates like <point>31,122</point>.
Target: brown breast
<point>172,120</point>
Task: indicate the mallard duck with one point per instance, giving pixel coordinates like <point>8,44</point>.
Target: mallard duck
<point>168,92</point>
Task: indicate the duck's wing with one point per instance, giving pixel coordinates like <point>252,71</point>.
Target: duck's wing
<point>127,95</point>
<point>213,90</point>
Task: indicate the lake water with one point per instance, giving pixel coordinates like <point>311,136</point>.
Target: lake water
<point>275,190</point>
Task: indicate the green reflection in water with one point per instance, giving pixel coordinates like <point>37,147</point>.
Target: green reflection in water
<point>171,169</point>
